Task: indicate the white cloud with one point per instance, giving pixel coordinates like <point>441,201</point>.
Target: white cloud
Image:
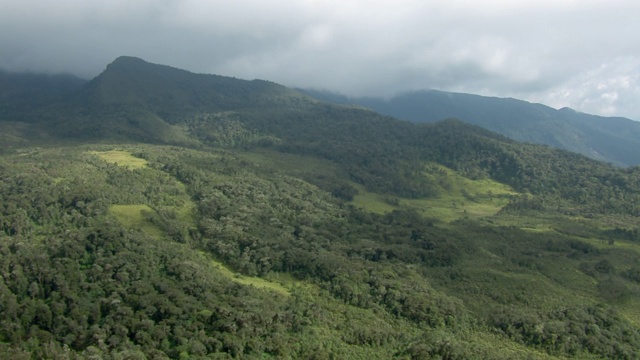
<point>610,89</point>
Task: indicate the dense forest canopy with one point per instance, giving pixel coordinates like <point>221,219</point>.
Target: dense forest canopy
<point>156,213</point>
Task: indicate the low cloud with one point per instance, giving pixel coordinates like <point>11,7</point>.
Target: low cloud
<point>611,89</point>
<point>581,54</point>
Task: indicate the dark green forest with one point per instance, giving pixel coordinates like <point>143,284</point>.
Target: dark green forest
<point>155,213</point>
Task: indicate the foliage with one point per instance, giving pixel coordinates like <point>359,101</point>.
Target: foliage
<point>264,263</point>
<point>121,158</point>
<point>266,224</point>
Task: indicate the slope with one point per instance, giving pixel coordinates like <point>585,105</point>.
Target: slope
<point>22,95</point>
<point>136,100</point>
<point>612,140</point>
<point>316,276</point>
<point>26,99</point>
<point>133,101</point>
<point>130,249</point>
<point>172,92</point>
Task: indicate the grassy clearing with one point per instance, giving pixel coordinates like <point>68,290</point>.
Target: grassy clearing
<point>121,158</point>
<point>136,217</point>
<point>185,213</point>
<point>375,203</point>
<point>459,197</point>
<point>538,223</point>
<point>456,183</point>
<point>631,311</point>
<point>446,208</point>
<point>452,207</point>
<point>250,280</point>
<point>508,349</point>
<point>604,244</point>
<point>522,287</point>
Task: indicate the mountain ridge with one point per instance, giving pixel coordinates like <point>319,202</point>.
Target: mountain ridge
<point>163,92</point>
<point>590,135</point>
<point>130,80</point>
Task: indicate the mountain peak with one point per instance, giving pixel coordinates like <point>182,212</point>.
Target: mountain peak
<point>127,59</point>
<point>123,62</point>
<point>131,64</point>
<point>167,90</point>
<point>568,110</point>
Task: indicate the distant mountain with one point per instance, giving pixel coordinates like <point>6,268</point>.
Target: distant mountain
<point>609,139</point>
<point>164,89</point>
<point>139,100</point>
<point>22,94</point>
<point>142,101</point>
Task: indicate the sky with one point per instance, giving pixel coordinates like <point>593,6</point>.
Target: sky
<point>583,54</point>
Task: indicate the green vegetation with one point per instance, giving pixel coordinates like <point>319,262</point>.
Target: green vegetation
<point>136,217</point>
<point>611,139</point>
<point>250,280</point>
<point>456,197</point>
<point>293,265</point>
<point>121,158</point>
<point>289,228</point>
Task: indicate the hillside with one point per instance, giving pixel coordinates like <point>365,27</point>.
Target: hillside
<point>611,139</point>
<point>170,91</point>
<point>24,93</point>
<point>159,221</point>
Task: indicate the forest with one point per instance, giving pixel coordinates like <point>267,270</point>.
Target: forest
<point>157,214</point>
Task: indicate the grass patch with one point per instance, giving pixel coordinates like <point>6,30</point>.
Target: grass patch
<point>631,311</point>
<point>375,203</point>
<point>136,217</point>
<point>458,197</point>
<point>121,158</point>
<point>250,280</point>
<point>507,348</point>
<point>446,208</point>
<point>537,222</point>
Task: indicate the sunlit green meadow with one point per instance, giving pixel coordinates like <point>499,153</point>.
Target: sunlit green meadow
<point>121,158</point>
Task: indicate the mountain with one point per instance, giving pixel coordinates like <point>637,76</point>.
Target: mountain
<point>142,101</point>
<point>157,213</point>
<point>26,98</point>
<point>132,81</point>
<point>610,139</point>
<point>24,93</point>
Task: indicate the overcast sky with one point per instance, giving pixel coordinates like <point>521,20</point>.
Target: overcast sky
<point>583,54</point>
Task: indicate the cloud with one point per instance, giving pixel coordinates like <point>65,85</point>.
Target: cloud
<point>611,89</point>
<point>572,53</point>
